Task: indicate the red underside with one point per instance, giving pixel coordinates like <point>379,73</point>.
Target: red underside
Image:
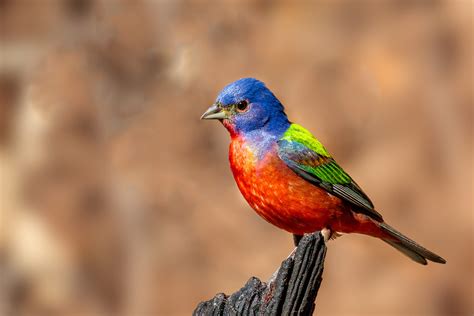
<point>285,200</point>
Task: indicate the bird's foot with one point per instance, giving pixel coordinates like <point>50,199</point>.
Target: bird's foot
<point>328,234</point>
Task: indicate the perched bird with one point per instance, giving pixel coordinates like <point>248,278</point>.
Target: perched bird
<point>289,178</point>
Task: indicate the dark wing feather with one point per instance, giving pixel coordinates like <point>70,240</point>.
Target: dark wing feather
<point>324,172</point>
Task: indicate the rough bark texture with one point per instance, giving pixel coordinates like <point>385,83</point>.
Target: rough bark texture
<point>292,292</point>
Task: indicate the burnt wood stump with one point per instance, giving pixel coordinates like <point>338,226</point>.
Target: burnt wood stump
<point>292,292</point>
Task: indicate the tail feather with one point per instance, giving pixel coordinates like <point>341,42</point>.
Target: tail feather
<point>407,252</point>
<point>409,247</point>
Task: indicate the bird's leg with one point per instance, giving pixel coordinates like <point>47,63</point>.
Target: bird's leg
<point>297,239</point>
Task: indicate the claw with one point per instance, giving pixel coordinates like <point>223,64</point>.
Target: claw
<point>328,234</point>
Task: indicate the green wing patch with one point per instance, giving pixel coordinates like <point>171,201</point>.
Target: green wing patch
<point>297,133</point>
<point>308,158</point>
<point>329,172</point>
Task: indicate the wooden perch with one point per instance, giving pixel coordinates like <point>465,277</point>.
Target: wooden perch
<point>292,292</point>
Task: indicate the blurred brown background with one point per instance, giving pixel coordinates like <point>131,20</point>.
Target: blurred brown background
<point>117,200</point>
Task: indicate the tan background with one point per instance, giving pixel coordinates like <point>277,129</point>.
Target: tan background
<point>117,200</point>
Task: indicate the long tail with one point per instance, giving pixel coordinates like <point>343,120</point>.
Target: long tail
<point>408,247</point>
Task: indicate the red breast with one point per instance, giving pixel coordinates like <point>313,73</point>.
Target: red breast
<point>285,200</point>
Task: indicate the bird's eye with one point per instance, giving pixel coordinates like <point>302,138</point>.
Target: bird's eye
<point>242,106</point>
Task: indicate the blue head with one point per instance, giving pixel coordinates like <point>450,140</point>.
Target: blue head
<point>247,105</point>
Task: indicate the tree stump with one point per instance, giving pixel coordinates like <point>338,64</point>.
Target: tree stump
<point>292,292</point>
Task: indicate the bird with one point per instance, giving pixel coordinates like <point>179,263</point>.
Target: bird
<point>289,178</point>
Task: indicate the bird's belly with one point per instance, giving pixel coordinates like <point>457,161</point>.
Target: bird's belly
<point>281,197</point>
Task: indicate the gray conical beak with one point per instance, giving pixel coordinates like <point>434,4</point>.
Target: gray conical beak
<point>214,113</point>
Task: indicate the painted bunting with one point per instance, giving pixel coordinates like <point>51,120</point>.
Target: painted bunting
<point>289,178</point>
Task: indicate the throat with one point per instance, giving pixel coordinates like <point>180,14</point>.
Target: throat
<point>260,143</point>
<point>262,140</point>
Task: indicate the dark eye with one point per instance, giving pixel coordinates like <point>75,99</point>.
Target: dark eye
<point>242,106</point>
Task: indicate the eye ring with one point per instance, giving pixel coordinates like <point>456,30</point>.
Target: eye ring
<point>242,106</point>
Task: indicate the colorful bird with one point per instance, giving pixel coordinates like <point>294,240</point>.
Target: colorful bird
<point>289,178</point>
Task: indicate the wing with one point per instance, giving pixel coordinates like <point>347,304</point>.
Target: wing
<point>308,158</point>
